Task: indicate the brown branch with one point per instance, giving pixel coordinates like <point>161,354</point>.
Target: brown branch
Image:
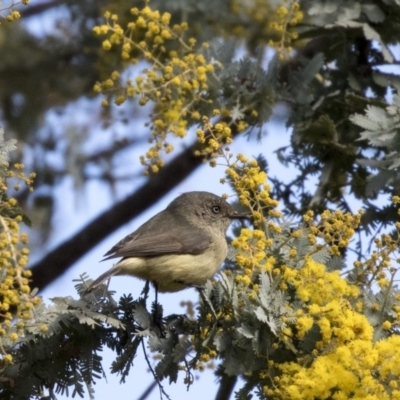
<point>226,386</point>
<point>38,8</point>
<point>58,260</point>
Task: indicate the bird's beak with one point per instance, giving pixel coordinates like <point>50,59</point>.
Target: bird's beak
<point>239,216</point>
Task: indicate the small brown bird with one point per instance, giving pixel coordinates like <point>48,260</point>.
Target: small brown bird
<point>182,246</point>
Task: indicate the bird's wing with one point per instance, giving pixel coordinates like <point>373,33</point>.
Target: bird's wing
<point>157,245</point>
<point>151,239</point>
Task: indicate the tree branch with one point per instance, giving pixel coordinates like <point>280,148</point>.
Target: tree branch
<point>39,8</point>
<point>226,386</point>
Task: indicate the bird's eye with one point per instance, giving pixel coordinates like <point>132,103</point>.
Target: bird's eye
<point>216,209</point>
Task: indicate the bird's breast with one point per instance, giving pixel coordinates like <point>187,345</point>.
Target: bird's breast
<point>173,272</point>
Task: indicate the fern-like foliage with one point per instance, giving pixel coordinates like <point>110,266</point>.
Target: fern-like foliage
<point>382,130</point>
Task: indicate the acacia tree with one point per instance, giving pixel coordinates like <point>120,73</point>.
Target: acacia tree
<point>289,313</point>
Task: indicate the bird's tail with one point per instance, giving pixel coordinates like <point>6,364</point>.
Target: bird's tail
<point>103,277</point>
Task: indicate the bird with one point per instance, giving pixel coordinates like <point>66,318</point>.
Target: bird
<point>180,247</point>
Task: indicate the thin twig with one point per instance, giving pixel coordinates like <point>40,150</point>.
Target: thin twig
<point>162,391</point>
<point>149,389</point>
